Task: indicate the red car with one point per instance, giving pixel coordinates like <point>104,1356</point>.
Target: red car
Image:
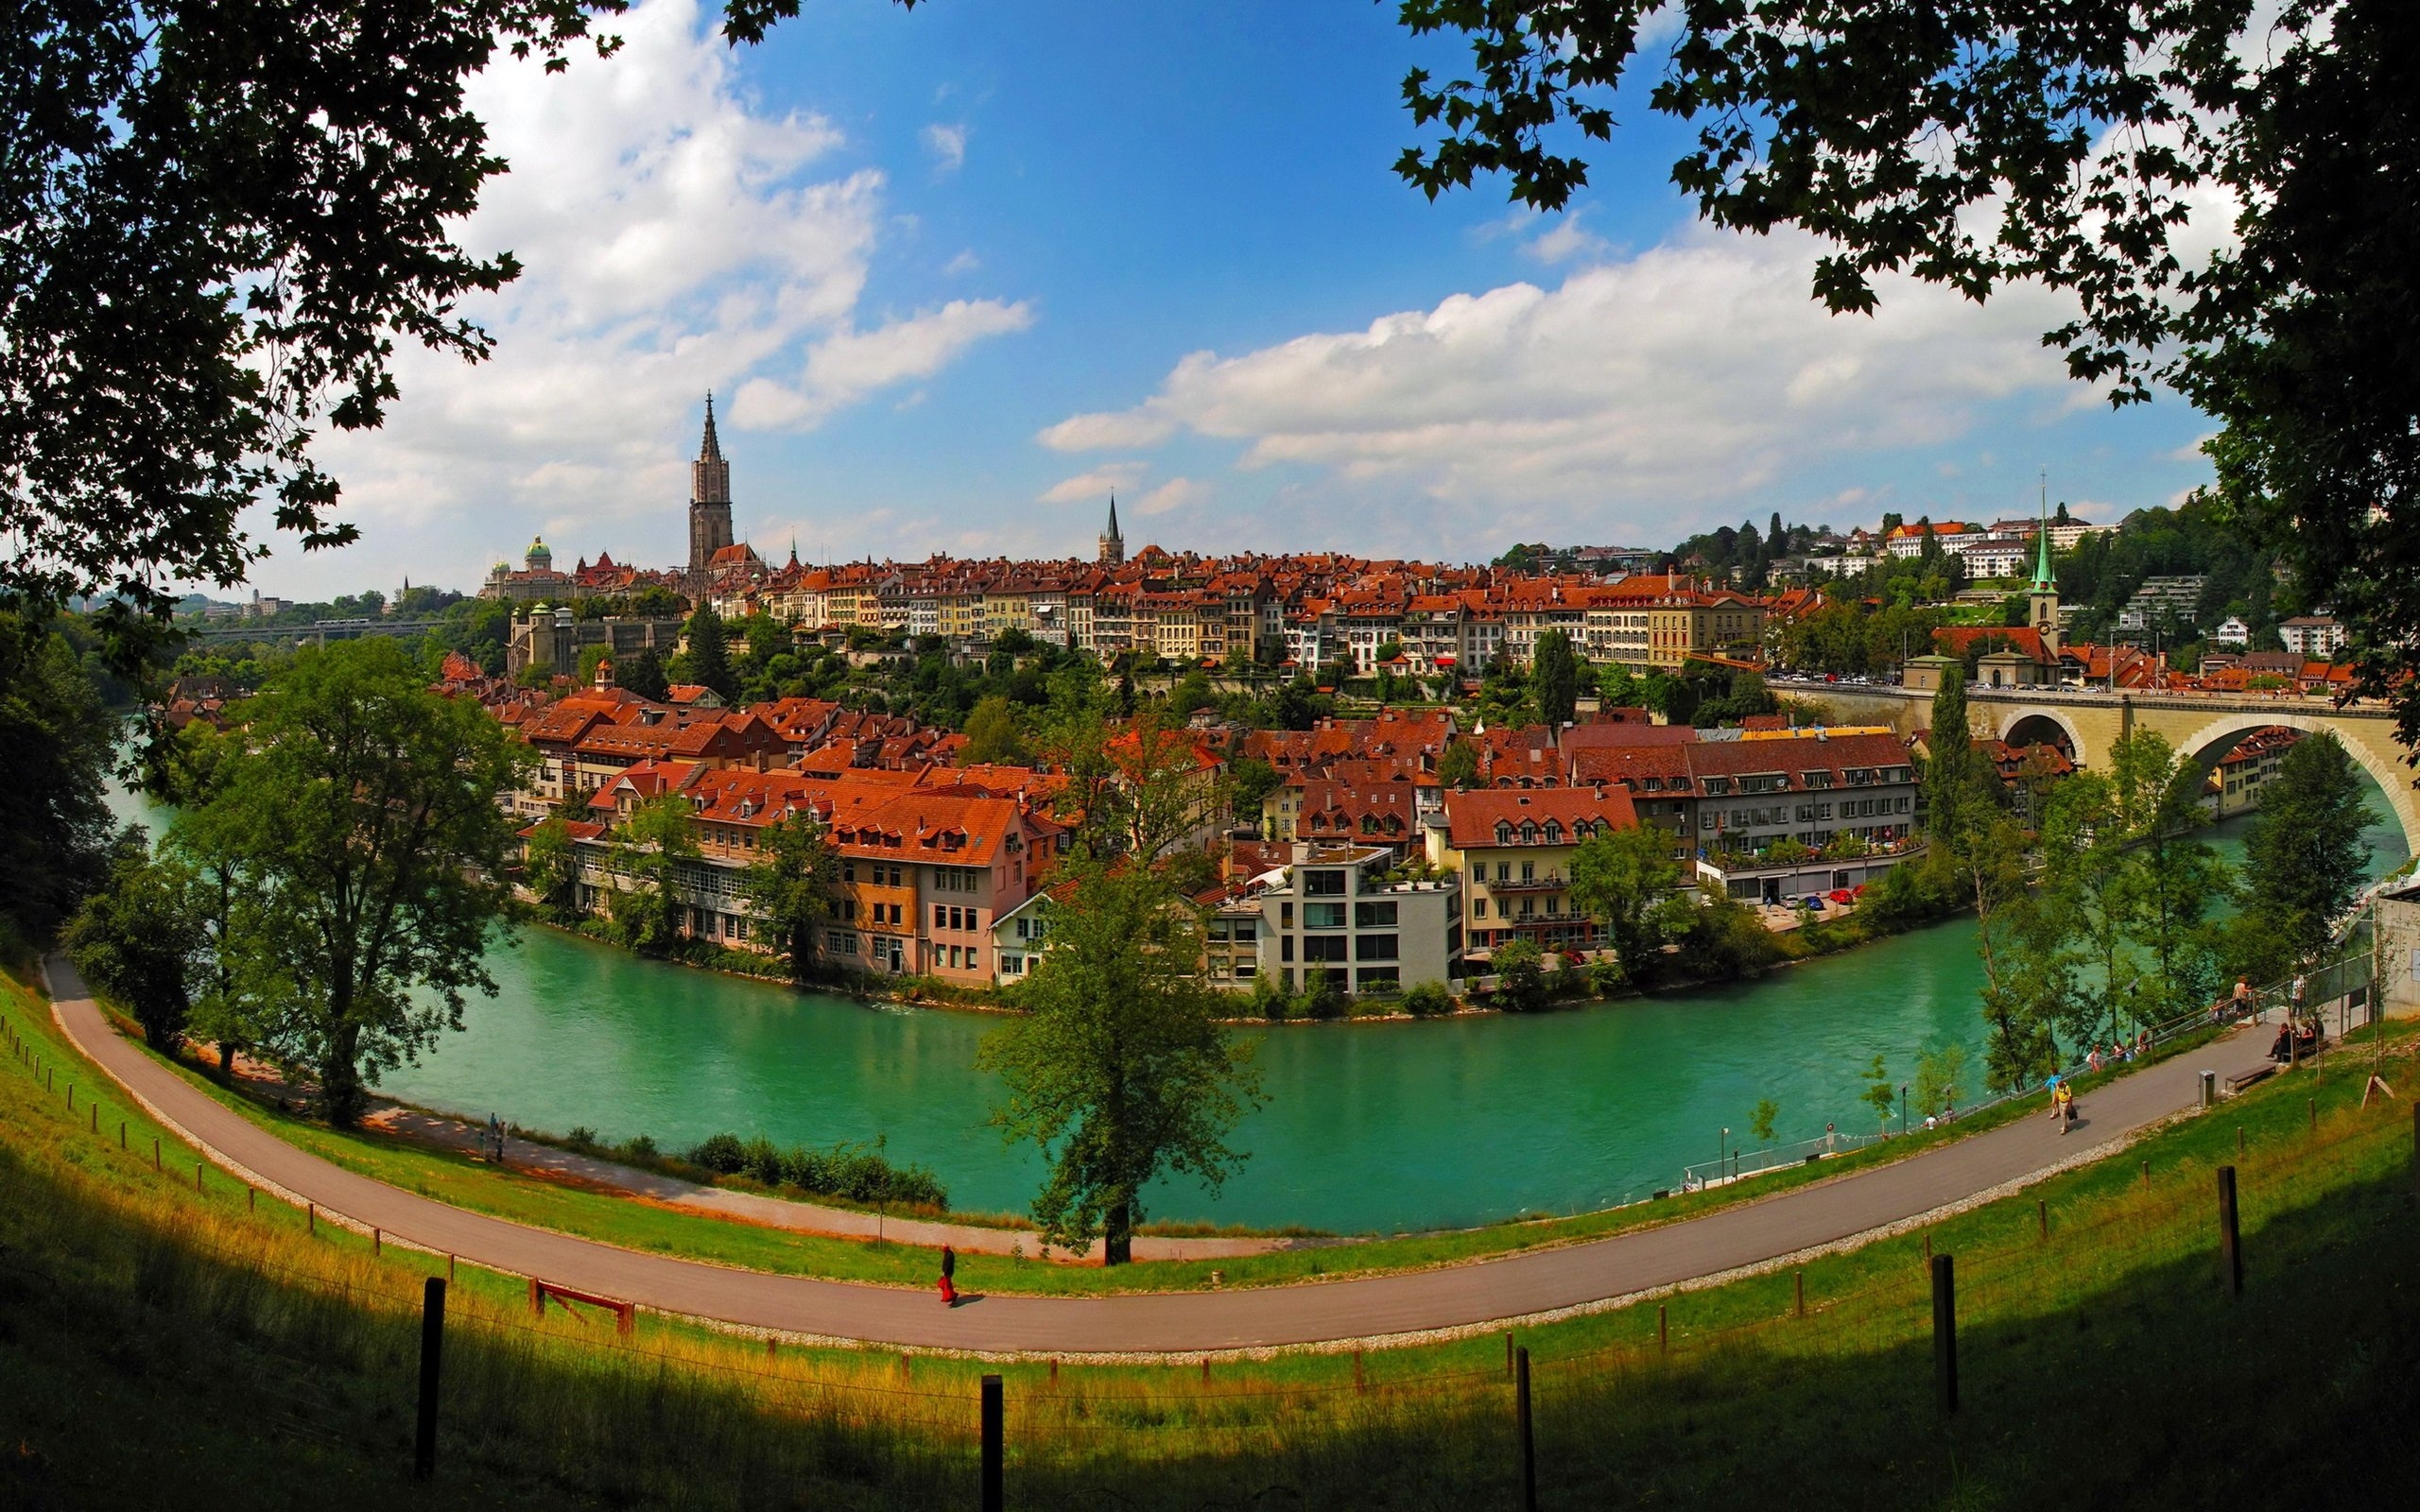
<point>1841,896</point>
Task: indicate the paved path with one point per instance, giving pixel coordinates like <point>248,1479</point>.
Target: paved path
<point>1181,1323</point>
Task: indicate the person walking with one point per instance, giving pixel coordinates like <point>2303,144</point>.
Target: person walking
<point>949,1277</point>
<point>2243,1000</point>
<point>2067,1096</point>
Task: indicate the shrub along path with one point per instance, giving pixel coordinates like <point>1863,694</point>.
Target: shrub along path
<point>1459,1297</point>
<point>570,1166</point>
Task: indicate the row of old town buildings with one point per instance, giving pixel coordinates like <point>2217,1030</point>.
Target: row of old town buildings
<point>1362,863</point>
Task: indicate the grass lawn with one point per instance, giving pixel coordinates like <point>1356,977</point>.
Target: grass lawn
<point>254,1364</point>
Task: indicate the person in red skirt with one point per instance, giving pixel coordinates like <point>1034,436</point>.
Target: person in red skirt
<point>949,1274</point>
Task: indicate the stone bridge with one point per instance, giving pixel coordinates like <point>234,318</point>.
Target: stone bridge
<point>2088,722</point>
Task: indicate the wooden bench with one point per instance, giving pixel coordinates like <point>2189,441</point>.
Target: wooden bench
<point>2245,1078</point>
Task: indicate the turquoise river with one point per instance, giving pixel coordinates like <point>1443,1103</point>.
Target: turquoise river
<point>1367,1127</point>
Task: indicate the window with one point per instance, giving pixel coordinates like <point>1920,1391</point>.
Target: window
<point>1322,916</point>
<point>1528,872</point>
<point>1247,930</point>
<point>1324,947</point>
<point>1285,947</point>
<point>1246,970</point>
<point>1478,908</point>
<point>1374,915</point>
<point>1504,872</point>
<point>1374,948</point>
<point>1322,884</point>
<point>1217,929</point>
<point>940,917</point>
<point>1285,916</point>
<point>1378,979</point>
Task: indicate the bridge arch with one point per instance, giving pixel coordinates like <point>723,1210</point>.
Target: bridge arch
<point>2030,724</point>
<point>2205,744</point>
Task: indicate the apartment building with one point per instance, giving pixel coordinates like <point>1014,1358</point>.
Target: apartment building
<point>1512,848</point>
<point>1332,909</point>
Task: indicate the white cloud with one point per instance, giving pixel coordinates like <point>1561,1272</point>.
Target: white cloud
<point>965,262</point>
<point>673,239</point>
<point>1096,485</point>
<point>848,365</point>
<point>1173,495</point>
<point>1564,241</point>
<point>1677,379</point>
<point>948,144</point>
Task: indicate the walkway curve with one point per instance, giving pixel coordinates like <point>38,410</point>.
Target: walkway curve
<point>1453,1297</point>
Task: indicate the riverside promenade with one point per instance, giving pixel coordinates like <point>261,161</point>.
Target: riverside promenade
<point>1470,1296</point>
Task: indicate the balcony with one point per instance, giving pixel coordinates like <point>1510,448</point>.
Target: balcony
<point>1550,881</point>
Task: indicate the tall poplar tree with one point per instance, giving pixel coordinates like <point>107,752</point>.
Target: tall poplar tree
<point>1554,677</point>
<point>2305,858</point>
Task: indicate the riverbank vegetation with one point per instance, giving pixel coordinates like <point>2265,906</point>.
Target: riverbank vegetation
<point>143,1310</point>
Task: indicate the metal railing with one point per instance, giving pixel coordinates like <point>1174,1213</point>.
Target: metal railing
<point>2342,985</point>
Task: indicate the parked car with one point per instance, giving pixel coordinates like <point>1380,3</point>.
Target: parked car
<point>1841,896</point>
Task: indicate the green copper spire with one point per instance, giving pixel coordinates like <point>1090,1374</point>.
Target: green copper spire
<point>2042,580</point>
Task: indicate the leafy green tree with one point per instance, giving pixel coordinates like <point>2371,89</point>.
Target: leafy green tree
<point>1724,940</point>
<point>223,222</point>
<point>1457,768</point>
<point>650,846</point>
<point>551,867</point>
<point>1427,1000</point>
<point>2305,860</point>
<point>1554,677</point>
<point>1269,998</point>
<point>1520,976</point>
<point>1139,790</point>
<point>706,660</point>
<point>2085,889</point>
<point>1617,687</point>
<point>992,733</point>
<point>789,888</point>
<point>644,675</point>
<point>1955,778</point>
<point>1760,1118</point>
<point>362,809</point>
<point>137,939</point>
<point>2176,879</point>
<point>1880,1094</point>
<point>1940,1077</point>
<point>1116,1065</point>
<point>1323,999</point>
<point>55,829</point>
<point>1248,784</point>
<point>1628,881</point>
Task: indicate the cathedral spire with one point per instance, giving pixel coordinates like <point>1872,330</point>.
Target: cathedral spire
<point>710,449</point>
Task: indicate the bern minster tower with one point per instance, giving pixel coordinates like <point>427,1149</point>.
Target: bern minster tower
<point>709,501</point>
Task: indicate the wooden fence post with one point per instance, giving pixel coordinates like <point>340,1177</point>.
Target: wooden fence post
<point>432,1351</point>
<point>1944,1331</point>
<point>1663,1329</point>
<point>995,1430</point>
<point>2042,1212</point>
<point>2230,1239</point>
<point>1799,1278</point>
<point>1529,1441</point>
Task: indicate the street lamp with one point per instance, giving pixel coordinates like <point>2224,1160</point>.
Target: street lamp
<point>1903,1107</point>
<point>1722,1153</point>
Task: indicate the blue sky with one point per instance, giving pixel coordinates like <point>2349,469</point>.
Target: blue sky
<point>957,272</point>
